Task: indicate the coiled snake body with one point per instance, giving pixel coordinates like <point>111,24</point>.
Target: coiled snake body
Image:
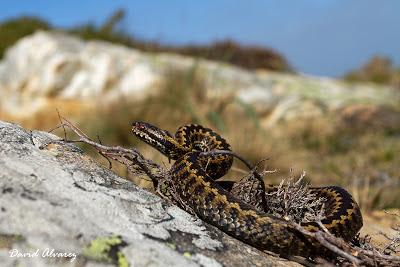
<point>194,176</point>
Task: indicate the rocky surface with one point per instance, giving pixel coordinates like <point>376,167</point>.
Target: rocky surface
<point>66,210</point>
<point>49,65</point>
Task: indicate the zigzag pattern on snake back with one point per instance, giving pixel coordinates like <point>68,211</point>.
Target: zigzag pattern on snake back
<point>194,178</point>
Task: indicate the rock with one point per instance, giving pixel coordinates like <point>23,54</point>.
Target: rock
<point>66,210</point>
<point>49,65</point>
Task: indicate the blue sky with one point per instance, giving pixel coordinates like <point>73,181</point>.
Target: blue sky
<point>320,37</point>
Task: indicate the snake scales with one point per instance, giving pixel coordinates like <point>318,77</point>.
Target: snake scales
<point>194,175</point>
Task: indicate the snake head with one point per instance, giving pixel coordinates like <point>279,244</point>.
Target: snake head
<point>160,139</point>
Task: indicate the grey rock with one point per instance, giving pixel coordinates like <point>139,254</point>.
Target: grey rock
<point>54,197</point>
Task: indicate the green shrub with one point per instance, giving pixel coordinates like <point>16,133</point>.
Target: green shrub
<point>378,70</point>
<point>12,30</point>
<point>250,57</point>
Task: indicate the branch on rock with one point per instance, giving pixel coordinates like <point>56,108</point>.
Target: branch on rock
<point>350,255</point>
<point>131,158</point>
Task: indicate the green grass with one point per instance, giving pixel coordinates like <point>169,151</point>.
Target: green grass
<point>12,30</point>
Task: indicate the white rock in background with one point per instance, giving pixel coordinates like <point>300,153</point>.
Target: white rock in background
<point>54,65</point>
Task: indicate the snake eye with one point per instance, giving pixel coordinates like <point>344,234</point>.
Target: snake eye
<point>139,126</point>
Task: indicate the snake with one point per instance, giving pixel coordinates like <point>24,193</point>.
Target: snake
<point>194,175</point>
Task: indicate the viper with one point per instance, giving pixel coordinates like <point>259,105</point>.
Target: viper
<point>194,174</point>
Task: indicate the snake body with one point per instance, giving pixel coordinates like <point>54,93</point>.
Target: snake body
<point>194,175</point>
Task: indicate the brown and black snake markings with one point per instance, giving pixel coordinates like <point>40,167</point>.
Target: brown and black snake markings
<point>194,175</point>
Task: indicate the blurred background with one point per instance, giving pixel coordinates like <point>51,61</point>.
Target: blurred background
<point>311,85</point>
